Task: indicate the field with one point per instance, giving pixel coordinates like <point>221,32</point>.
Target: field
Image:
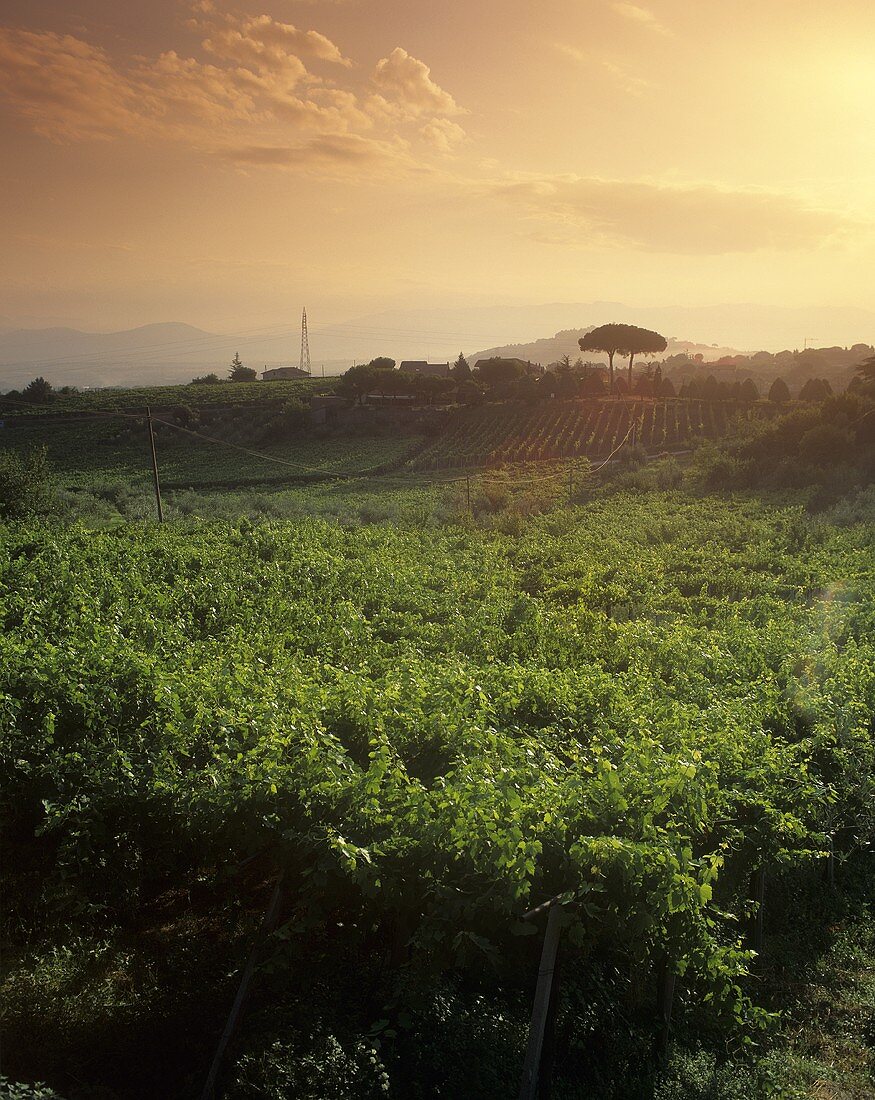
<point>103,462</point>
<point>250,448</point>
<point>517,432</point>
<point>132,399</point>
<point>636,704</point>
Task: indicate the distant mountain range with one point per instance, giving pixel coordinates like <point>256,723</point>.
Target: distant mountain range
<point>174,352</point>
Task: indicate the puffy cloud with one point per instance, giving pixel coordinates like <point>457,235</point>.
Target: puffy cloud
<point>406,82</point>
<point>260,42</point>
<point>185,92</point>
<point>446,136</point>
<point>66,88</point>
<point>252,94</point>
<point>697,218</point>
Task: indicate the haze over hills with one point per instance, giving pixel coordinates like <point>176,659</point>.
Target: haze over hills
<point>173,352</point>
<point>551,349</point>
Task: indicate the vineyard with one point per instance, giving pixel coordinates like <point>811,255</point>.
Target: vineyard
<point>634,705</point>
<point>225,395</point>
<point>514,433</point>
<point>109,451</point>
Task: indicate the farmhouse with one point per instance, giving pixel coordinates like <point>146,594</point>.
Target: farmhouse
<point>424,369</point>
<point>524,365</point>
<point>276,374</point>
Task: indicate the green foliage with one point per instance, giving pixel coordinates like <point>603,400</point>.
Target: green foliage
<point>294,418</point>
<point>674,702</point>
<point>10,1090</point>
<point>203,396</point>
<point>815,389</point>
<point>372,378</point>
<point>27,484</point>
<point>749,391</point>
<point>496,371</point>
<point>864,377</point>
<point>239,372</point>
<point>109,457</point>
<point>830,445</point>
<point>461,369</point>
<point>38,392</point>
<point>635,703</point>
<point>545,431</point>
<point>779,394</point>
<point>621,339</point>
<point>315,1067</point>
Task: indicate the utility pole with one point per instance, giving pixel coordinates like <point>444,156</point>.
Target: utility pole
<point>155,466</point>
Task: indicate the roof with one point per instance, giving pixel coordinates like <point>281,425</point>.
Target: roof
<point>420,366</point>
<point>284,372</point>
<point>504,359</point>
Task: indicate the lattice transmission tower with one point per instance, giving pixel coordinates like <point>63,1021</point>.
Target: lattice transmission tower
<point>305,344</point>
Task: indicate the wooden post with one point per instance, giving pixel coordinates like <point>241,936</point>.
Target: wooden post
<point>829,866</point>
<point>155,466</point>
<point>664,1003</point>
<point>548,1051</point>
<point>758,893</point>
<point>541,1014</point>
<point>236,1012</point>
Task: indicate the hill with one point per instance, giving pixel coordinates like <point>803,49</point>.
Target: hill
<point>551,349</point>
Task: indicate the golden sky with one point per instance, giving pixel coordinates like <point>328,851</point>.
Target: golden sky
<point>225,162</point>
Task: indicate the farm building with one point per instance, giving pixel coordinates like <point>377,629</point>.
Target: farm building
<point>275,374</point>
<point>524,365</point>
<point>424,369</point>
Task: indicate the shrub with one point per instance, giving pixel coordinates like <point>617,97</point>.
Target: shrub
<point>26,485</point>
<point>10,1090</point>
<point>825,444</point>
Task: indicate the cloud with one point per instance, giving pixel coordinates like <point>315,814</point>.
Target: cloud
<point>695,218</point>
<point>329,154</point>
<point>628,81</point>
<point>66,88</point>
<point>251,91</point>
<point>446,136</point>
<point>642,16</point>
<point>406,82</point>
<point>260,42</point>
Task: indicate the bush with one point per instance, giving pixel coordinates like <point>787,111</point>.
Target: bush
<point>313,1068</point>
<point>293,418</point>
<point>10,1090</point>
<point>26,485</point>
<point>825,444</point>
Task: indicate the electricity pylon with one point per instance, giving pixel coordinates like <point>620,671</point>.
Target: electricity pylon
<point>305,344</point>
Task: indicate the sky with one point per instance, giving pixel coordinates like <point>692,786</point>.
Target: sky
<point>225,163</point>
